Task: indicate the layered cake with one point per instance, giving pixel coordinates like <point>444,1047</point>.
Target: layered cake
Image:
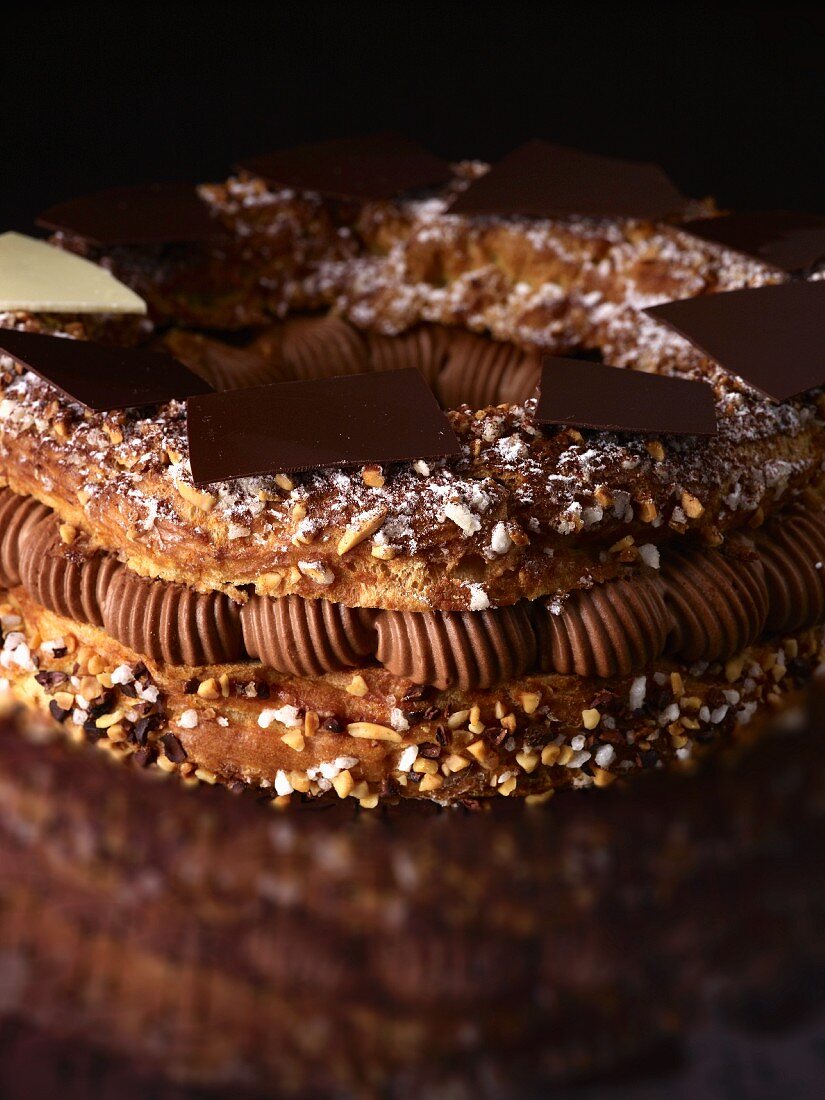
<point>416,479</point>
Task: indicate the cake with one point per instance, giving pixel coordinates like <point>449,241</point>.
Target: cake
<point>372,597</point>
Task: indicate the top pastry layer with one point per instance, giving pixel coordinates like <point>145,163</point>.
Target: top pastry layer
<point>524,512</point>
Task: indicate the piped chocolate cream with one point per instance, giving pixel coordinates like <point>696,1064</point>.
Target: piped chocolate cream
<point>719,605</point>
<point>610,630</point>
<point>459,366</point>
<point>18,515</point>
<point>307,637</point>
<point>704,604</point>
<point>65,578</point>
<point>464,649</point>
<point>793,558</point>
<point>172,623</point>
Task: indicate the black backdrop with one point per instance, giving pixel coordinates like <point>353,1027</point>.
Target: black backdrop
<point>729,99</point>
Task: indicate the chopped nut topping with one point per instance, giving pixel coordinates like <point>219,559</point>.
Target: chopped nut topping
<point>692,506</point>
<point>384,553</point>
<point>67,533</point>
<point>530,701</point>
<point>527,761</point>
<point>209,689</point>
<point>372,476</point>
<point>591,718</point>
<point>372,731</point>
<point>355,535</point>
<point>196,497</point>
<point>294,739</point>
<point>430,783</point>
<point>316,571</point>
<point>357,686</point>
<point>656,450</point>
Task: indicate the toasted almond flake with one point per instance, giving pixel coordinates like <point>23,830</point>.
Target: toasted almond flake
<point>455,763</point>
<point>602,778</point>
<point>372,732</point>
<point>622,544</point>
<point>430,783</point>
<point>316,571</point>
<point>357,686</point>
<point>357,533</point>
<point>294,739</point>
<point>196,497</point>
<point>64,699</point>
<point>647,511</point>
<point>692,506</point>
<point>591,718</point>
<point>508,786</point>
<point>550,754</point>
<point>372,476</point>
<point>656,450</point>
<point>457,719</point>
<point>208,689</point>
<point>530,701</point>
<point>423,766</point>
<point>478,749</point>
<point>107,720</point>
<point>343,783</point>
<point>733,668</point>
<point>311,723</point>
<point>384,553</point>
<point>527,761</point>
<point>284,482</point>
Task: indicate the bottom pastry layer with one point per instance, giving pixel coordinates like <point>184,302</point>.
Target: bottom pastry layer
<point>369,735</point>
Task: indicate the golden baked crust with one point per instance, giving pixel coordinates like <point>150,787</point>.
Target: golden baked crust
<point>523,513</point>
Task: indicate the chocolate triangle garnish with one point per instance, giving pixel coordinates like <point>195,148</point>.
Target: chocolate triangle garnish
<point>375,167</point>
<point>100,376</point>
<point>347,421</point>
<point>591,395</point>
<point>150,214</point>
<point>543,180</point>
<point>772,337</point>
<point>791,241</point>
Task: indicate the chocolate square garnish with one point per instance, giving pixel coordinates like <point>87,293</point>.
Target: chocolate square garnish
<point>591,395</point>
<point>543,180</point>
<point>288,426</point>
<point>148,214</point>
<point>772,337</point>
<point>376,167</point>
<point>100,376</point>
<point>791,241</point>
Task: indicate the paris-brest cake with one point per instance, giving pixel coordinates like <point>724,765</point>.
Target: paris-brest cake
<point>367,475</point>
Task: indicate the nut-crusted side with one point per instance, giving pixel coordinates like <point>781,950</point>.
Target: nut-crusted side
<point>368,735</point>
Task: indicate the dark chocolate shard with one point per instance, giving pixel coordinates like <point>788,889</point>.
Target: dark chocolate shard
<point>100,376</point>
<point>592,395</point>
<point>772,337</point>
<point>791,241</point>
<point>544,180</point>
<point>374,167</point>
<point>148,214</point>
<point>345,421</point>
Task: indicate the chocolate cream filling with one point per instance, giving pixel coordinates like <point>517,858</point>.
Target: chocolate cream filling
<point>459,366</point>
<point>703,605</point>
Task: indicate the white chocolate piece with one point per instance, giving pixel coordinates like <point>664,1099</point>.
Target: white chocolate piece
<point>38,277</point>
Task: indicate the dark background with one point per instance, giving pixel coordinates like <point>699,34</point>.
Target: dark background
<point>729,99</point>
